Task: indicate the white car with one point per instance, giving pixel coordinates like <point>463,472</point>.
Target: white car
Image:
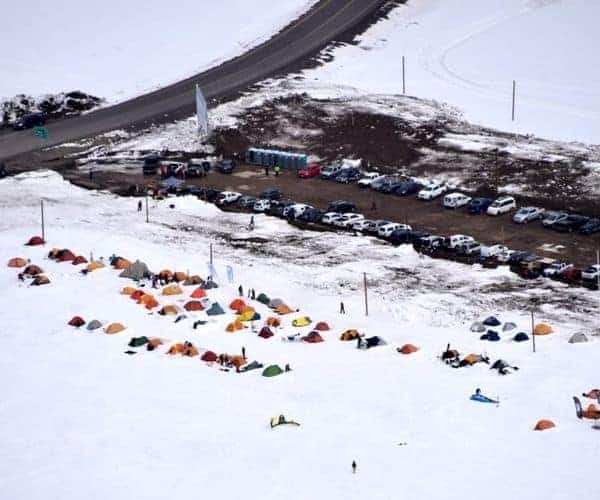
<point>347,220</point>
<point>528,214</point>
<point>457,240</point>
<point>261,205</point>
<point>386,230</point>
<point>552,216</point>
<point>502,205</point>
<point>368,178</point>
<point>330,217</point>
<point>432,191</point>
<point>492,250</point>
<point>362,224</point>
<point>296,209</point>
<point>228,197</point>
<point>470,248</point>
<point>505,255</point>
<point>591,273</point>
<point>556,269</point>
<point>456,200</point>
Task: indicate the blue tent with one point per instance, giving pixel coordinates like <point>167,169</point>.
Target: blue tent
<point>491,321</point>
<point>172,182</point>
<point>215,309</point>
<point>256,316</point>
<point>490,335</point>
<point>521,337</point>
<point>374,341</point>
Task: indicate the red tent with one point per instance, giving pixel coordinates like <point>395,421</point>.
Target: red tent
<point>237,304</point>
<point>198,293</point>
<point>313,337</point>
<point>80,259</point>
<point>137,295</point>
<point>209,356</point>
<point>322,326</point>
<point>265,332</point>
<point>65,255</point>
<point>193,305</point>
<point>76,321</point>
<point>35,240</point>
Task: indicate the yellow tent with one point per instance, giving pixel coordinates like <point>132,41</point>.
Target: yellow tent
<point>302,321</point>
<point>172,290</point>
<point>246,315</point>
<point>114,328</point>
<point>349,335</point>
<point>234,325</point>
<point>92,266</point>
<point>542,329</point>
<point>169,310</point>
<point>128,290</point>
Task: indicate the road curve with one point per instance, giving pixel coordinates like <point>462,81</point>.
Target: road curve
<point>327,20</point>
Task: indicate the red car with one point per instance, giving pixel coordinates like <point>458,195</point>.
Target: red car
<point>312,170</point>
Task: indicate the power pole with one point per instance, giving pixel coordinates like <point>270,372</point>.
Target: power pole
<point>513,99</point>
<point>147,212</point>
<point>211,258</point>
<point>43,226</point>
<point>366,298</point>
<point>403,78</point>
<point>532,330</point>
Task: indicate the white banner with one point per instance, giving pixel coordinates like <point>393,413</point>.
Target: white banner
<point>201,112</point>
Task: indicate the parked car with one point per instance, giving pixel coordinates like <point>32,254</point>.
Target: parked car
<point>528,214</point>
<point>457,240</point>
<point>570,223</point>
<point>329,217</point>
<point>505,256</point>
<point>29,121</point>
<point>556,269</point>
<point>226,166</point>
<point>207,194</point>
<point>431,191</point>
<point>311,170</point>
<point>456,200</point>
<point>228,197</point>
<point>311,215</point>
<point>348,175</point>
<point>489,251</point>
<point>377,183</point>
<point>387,229</point>
<point>295,209</point>
<point>330,171</point>
<point>347,220</point>
<point>479,205</point>
<point>271,194</point>
<point>368,178</point>
<point>341,206</point>
<point>518,256</point>
<point>429,242</point>
<point>261,205</point>
<point>551,217</point>
<point>469,248</point>
<point>246,201</point>
<point>401,236</point>
<point>407,187</point>
<point>151,164</point>
<point>590,227</point>
<point>502,205</point>
<point>363,225</point>
<point>591,273</point>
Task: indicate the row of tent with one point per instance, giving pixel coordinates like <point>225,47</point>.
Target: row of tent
<point>31,271</point>
<point>111,328</point>
<point>540,329</point>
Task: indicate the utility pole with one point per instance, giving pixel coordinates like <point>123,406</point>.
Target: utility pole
<point>43,226</point>
<point>403,78</point>
<point>211,258</point>
<point>532,329</point>
<point>513,99</point>
<point>366,298</point>
<point>147,212</point>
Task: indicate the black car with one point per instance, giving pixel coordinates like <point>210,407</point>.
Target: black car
<point>390,186</point>
<point>401,236</point>
<point>382,185</point>
<point>151,164</point>
<point>247,201</point>
<point>311,215</point>
<point>406,188</point>
<point>518,257</point>
<point>29,121</point>
<point>271,194</point>
<point>226,166</point>
<point>591,226</point>
<point>479,205</point>
<point>275,210</point>
<point>208,194</point>
<point>341,207</point>
<point>348,175</point>
<point>570,223</point>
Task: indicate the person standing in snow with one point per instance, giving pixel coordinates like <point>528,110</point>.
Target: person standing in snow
<point>140,206</point>
<point>243,352</point>
<point>353,467</point>
<point>241,291</point>
<point>253,294</point>
<point>267,170</point>
<point>342,308</point>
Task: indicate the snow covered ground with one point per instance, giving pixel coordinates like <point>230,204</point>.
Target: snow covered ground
<point>467,53</point>
<point>79,417</point>
<point>117,50</point>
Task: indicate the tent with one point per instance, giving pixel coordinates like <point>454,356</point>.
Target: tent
<point>165,274</point>
<point>136,271</point>
<point>301,321</point>
<point>179,276</point>
<point>128,290</point>
<point>237,361</point>
<point>281,420</point>
<point>542,425</point>
<point>189,350</point>
<point>508,326</point>
<point>138,341</point>
<point>322,326</point>
<point>265,332</point>
<point>283,309</point>
<point>263,299</point>
<point>17,262</point>
<point>193,305</point>
<point>153,343</point>
<point>272,371</point>
<point>114,328</point>
<point>137,295</point>
<point>407,349</point>
<point>35,240</point>
<point>92,266</point>
<point>273,321</point>
<point>592,394</point>
<point>209,356</point>
<point>478,327</point>
<point>120,263</point>
<point>374,341</point>
<point>65,255</point>
<point>491,321</point>
<point>215,309</point>
<point>247,314</point>
<point>80,259</point>
<point>542,329</point>
<point>209,284</point>
<point>273,303</point>
<point>32,270</point>
<point>169,310</point>
<point>521,337</point>
<point>234,326</point>
<point>76,321</point>
<point>491,335</point>
<point>255,365</point>
<point>237,305</point>
<point>172,290</point>
<point>148,301</point>
<point>198,293</point>
<point>256,316</point>
<point>192,280</point>
<point>40,279</point>
<point>349,335</point>
<point>176,349</point>
<point>313,337</point>
<point>578,338</point>
<point>94,325</point>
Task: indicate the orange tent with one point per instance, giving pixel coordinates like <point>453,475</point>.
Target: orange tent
<point>149,301</point>
<point>193,305</point>
<point>128,290</point>
<point>542,329</point>
<point>121,263</point>
<point>272,321</point>
<point>165,274</point>
<point>80,259</point>
<point>189,350</point>
<point>234,325</point>
<point>172,290</point>
<point>169,310</point>
<point>17,262</point>
<point>407,349</point>
<point>542,425</point>
<point>179,276</point>
<point>237,305</point>
<point>176,349</point>
<point>155,342</point>
<point>283,309</point>
<point>350,335</point>
<point>193,280</point>
<point>92,266</point>
<point>114,328</point>
<point>137,295</point>
<point>237,361</point>
<point>591,412</point>
<point>198,293</point>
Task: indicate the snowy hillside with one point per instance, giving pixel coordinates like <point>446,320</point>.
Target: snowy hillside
<point>80,417</point>
<point>117,50</point>
<point>466,53</point>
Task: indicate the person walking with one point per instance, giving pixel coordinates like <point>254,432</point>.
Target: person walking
<point>277,169</point>
<point>139,205</point>
<point>373,206</point>
<point>342,308</point>
<point>353,466</point>
<point>249,293</point>
<point>241,291</point>
<point>243,352</point>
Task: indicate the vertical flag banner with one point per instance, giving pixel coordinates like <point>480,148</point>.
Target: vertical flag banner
<point>230,274</point>
<point>201,112</point>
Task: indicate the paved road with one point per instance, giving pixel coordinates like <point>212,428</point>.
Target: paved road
<point>324,22</point>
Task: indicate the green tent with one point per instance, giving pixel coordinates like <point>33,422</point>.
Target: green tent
<point>262,298</point>
<point>255,365</point>
<point>272,371</point>
<point>138,341</point>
